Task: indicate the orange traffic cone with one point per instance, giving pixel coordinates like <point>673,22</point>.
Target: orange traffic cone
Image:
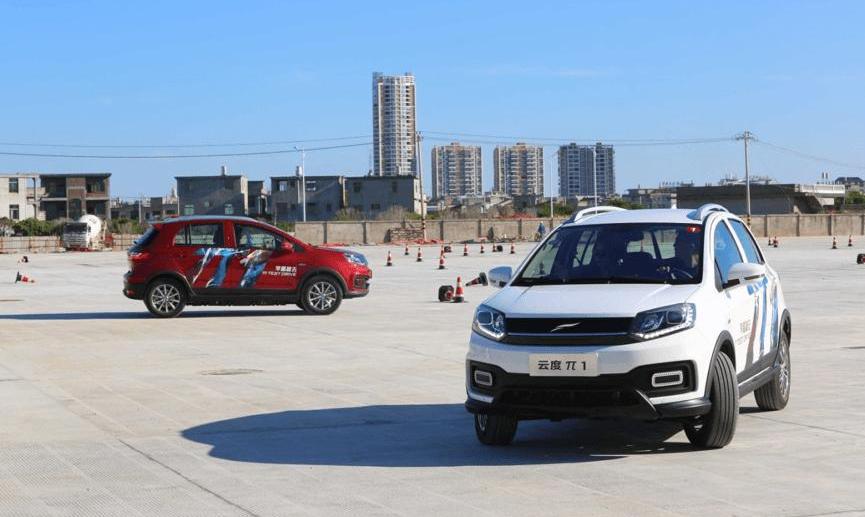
<point>480,280</point>
<point>482,247</point>
<point>406,249</point>
<point>770,242</point>
<point>389,259</point>
<point>775,242</point>
<point>834,243</point>
<point>850,241</point>
<point>442,260</point>
<point>23,279</point>
<point>419,255</point>
<point>458,294</point>
<point>513,249</point>
<point>465,250</point>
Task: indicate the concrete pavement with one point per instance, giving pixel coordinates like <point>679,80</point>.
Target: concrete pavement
<point>265,411</point>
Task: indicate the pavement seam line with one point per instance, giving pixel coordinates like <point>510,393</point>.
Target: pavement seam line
<point>828,429</point>
<point>189,480</point>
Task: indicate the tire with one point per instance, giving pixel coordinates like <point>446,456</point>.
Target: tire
<point>495,429</point>
<point>716,429</point>
<point>165,297</point>
<point>321,295</point>
<point>775,394</point>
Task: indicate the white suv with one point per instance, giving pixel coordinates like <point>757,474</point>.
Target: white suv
<point>653,314</point>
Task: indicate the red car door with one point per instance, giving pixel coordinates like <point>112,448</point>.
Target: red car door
<point>200,252</point>
<point>265,260</point>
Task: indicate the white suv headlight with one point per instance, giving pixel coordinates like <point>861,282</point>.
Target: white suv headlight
<point>664,320</point>
<point>489,323</point>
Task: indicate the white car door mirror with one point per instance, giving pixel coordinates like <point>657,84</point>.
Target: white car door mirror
<point>744,272</point>
<point>500,276</point>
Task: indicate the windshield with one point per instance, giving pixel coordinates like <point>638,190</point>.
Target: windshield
<point>618,253</point>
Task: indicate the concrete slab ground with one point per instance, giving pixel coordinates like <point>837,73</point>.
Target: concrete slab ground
<point>107,411</point>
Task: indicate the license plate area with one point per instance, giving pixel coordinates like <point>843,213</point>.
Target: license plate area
<point>563,365</point>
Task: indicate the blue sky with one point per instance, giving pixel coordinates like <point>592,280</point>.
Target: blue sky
<point>91,72</point>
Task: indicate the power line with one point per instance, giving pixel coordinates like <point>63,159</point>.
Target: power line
<point>635,143</point>
<point>648,141</point>
<point>181,146</point>
<point>170,156</point>
<point>808,156</point>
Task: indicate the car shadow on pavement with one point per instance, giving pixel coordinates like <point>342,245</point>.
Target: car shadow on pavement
<point>130,315</point>
<point>423,435</point>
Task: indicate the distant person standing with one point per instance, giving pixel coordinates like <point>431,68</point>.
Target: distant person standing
<point>542,230</point>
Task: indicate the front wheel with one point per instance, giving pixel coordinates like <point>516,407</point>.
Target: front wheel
<point>774,395</point>
<point>321,295</point>
<point>165,297</point>
<point>716,429</point>
<point>495,429</point>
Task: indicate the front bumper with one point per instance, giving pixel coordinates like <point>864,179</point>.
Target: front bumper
<point>620,395</point>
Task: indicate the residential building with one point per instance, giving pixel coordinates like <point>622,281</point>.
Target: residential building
<point>585,169</point>
<point>325,197</point>
<point>456,171</point>
<point>19,196</point>
<point>853,183</point>
<point>518,170</point>
<point>223,194</point>
<point>258,199</point>
<point>69,196</point>
<point>395,140</point>
<point>144,209</point>
<point>373,195</point>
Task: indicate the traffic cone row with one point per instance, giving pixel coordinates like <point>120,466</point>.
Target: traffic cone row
<point>447,249</point>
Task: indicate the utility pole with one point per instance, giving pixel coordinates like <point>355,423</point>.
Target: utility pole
<point>746,137</point>
<point>302,181</point>
<point>419,171</point>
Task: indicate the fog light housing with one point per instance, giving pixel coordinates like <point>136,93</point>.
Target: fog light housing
<point>483,378</point>
<point>668,379</point>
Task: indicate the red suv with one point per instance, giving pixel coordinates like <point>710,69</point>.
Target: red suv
<point>222,260</point>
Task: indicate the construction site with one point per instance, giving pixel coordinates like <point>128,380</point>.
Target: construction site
<point>251,411</point>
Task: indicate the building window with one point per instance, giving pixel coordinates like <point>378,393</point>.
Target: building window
<point>283,186</point>
<point>95,186</point>
<point>188,209</point>
<point>375,206</point>
<point>229,209</point>
<point>14,212</point>
<point>13,185</point>
<point>357,186</point>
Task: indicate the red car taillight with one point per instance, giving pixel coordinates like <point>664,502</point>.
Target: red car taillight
<point>137,258</point>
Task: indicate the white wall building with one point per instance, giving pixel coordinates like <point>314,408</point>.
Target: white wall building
<point>19,196</point>
<point>394,127</point>
<point>456,171</point>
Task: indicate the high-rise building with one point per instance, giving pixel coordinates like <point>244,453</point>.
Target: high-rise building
<point>583,168</point>
<point>394,128</point>
<point>518,170</point>
<point>456,170</point>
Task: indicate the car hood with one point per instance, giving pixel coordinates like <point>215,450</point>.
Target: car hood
<point>596,300</point>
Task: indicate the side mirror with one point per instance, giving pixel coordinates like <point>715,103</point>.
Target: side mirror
<point>500,276</point>
<point>742,272</point>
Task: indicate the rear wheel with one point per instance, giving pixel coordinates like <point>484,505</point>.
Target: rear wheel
<point>495,429</point>
<point>321,295</point>
<point>774,395</point>
<point>716,429</point>
<point>165,297</point>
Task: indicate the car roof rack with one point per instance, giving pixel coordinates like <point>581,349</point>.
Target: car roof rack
<point>701,213</point>
<point>588,212</point>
